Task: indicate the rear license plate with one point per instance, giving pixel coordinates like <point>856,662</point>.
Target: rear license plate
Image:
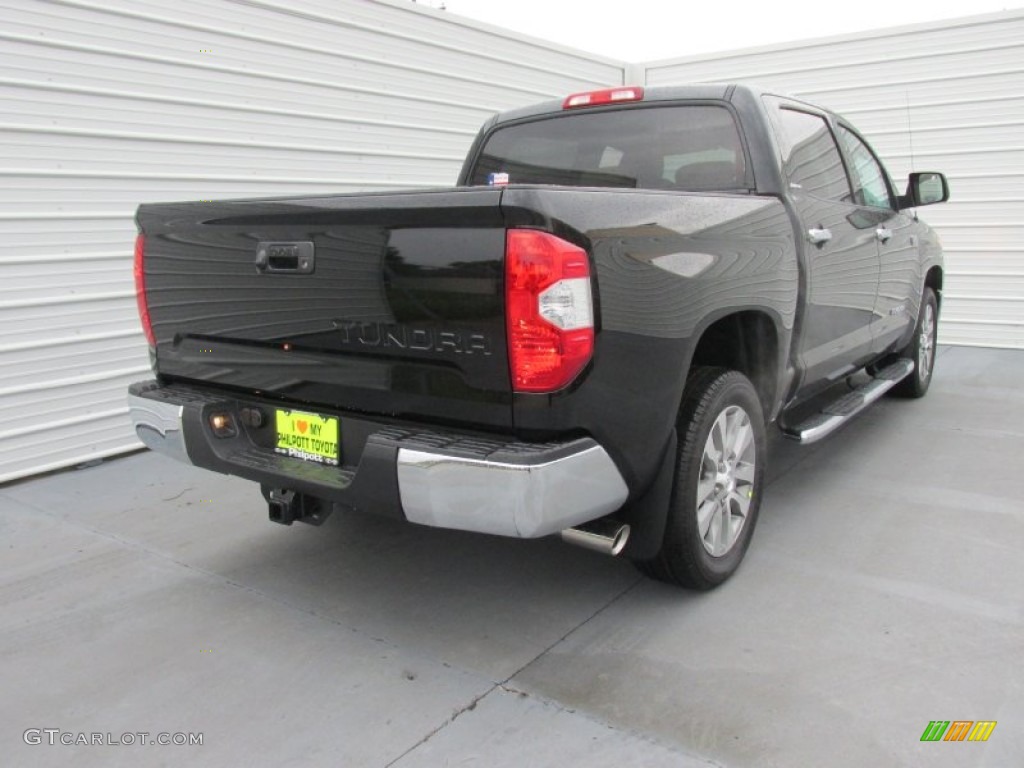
<point>307,436</point>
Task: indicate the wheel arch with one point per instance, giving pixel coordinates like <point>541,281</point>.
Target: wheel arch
<point>748,341</point>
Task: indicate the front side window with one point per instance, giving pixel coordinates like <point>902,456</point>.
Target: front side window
<point>869,185</point>
<point>811,156</point>
<point>690,148</point>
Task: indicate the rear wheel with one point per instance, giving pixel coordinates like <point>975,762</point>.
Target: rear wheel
<point>921,349</point>
<point>718,481</point>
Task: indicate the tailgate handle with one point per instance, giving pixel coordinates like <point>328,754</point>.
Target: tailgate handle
<point>291,258</point>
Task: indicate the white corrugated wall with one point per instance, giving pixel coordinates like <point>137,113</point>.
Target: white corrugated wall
<point>111,103</point>
<point>945,96</point>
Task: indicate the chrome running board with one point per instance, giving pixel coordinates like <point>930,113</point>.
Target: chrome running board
<point>838,412</point>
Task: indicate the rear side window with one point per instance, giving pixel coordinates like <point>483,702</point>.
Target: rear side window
<point>811,157</point>
<point>691,148</point>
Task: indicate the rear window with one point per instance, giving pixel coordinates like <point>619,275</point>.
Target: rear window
<point>690,148</point>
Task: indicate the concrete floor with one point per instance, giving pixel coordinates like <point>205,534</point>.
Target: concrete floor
<point>884,589</point>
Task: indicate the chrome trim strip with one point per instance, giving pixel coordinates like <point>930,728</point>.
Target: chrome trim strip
<point>158,425</point>
<point>520,500</point>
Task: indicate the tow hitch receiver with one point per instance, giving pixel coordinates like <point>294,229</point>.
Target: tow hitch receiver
<point>288,506</point>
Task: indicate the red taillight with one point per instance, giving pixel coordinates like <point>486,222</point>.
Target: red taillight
<point>140,289</point>
<point>606,96</point>
<point>548,309</point>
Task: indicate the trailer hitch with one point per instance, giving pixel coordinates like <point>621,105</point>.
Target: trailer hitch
<point>287,507</point>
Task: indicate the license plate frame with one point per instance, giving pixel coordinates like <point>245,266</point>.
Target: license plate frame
<point>308,436</point>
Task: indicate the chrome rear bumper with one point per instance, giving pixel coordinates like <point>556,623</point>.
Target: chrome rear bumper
<point>445,480</point>
<point>525,500</point>
<point>158,425</point>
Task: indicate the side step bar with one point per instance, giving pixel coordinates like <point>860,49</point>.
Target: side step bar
<point>838,412</point>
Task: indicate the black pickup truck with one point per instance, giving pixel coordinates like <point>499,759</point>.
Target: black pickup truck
<point>590,335</point>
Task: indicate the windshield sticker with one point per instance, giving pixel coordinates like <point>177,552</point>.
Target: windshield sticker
<point>497,179</point>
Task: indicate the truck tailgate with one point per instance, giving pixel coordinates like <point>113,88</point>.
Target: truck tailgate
<point>377,303</point>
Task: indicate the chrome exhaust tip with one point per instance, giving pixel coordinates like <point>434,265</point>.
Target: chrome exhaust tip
<point>606,536</point>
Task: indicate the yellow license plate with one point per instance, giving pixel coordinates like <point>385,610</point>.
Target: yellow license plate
<point>307,436</point>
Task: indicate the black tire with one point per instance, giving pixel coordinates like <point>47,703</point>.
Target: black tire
<point>921,349</point>
<point>687,557</point>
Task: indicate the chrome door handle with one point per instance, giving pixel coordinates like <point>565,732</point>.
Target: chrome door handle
<point>819,236</point>
<point>884,234</point>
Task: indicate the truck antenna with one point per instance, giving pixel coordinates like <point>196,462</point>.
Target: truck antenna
<point>910,131</point>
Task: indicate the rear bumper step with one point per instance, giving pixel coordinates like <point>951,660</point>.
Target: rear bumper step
<point>838,412</point>
<point>440,479</point>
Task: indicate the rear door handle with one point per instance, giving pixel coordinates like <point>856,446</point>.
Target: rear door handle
<point>884,234</point>
<point>819,236</point>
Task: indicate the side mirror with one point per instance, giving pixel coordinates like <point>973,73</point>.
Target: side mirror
<point>925,188</point>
